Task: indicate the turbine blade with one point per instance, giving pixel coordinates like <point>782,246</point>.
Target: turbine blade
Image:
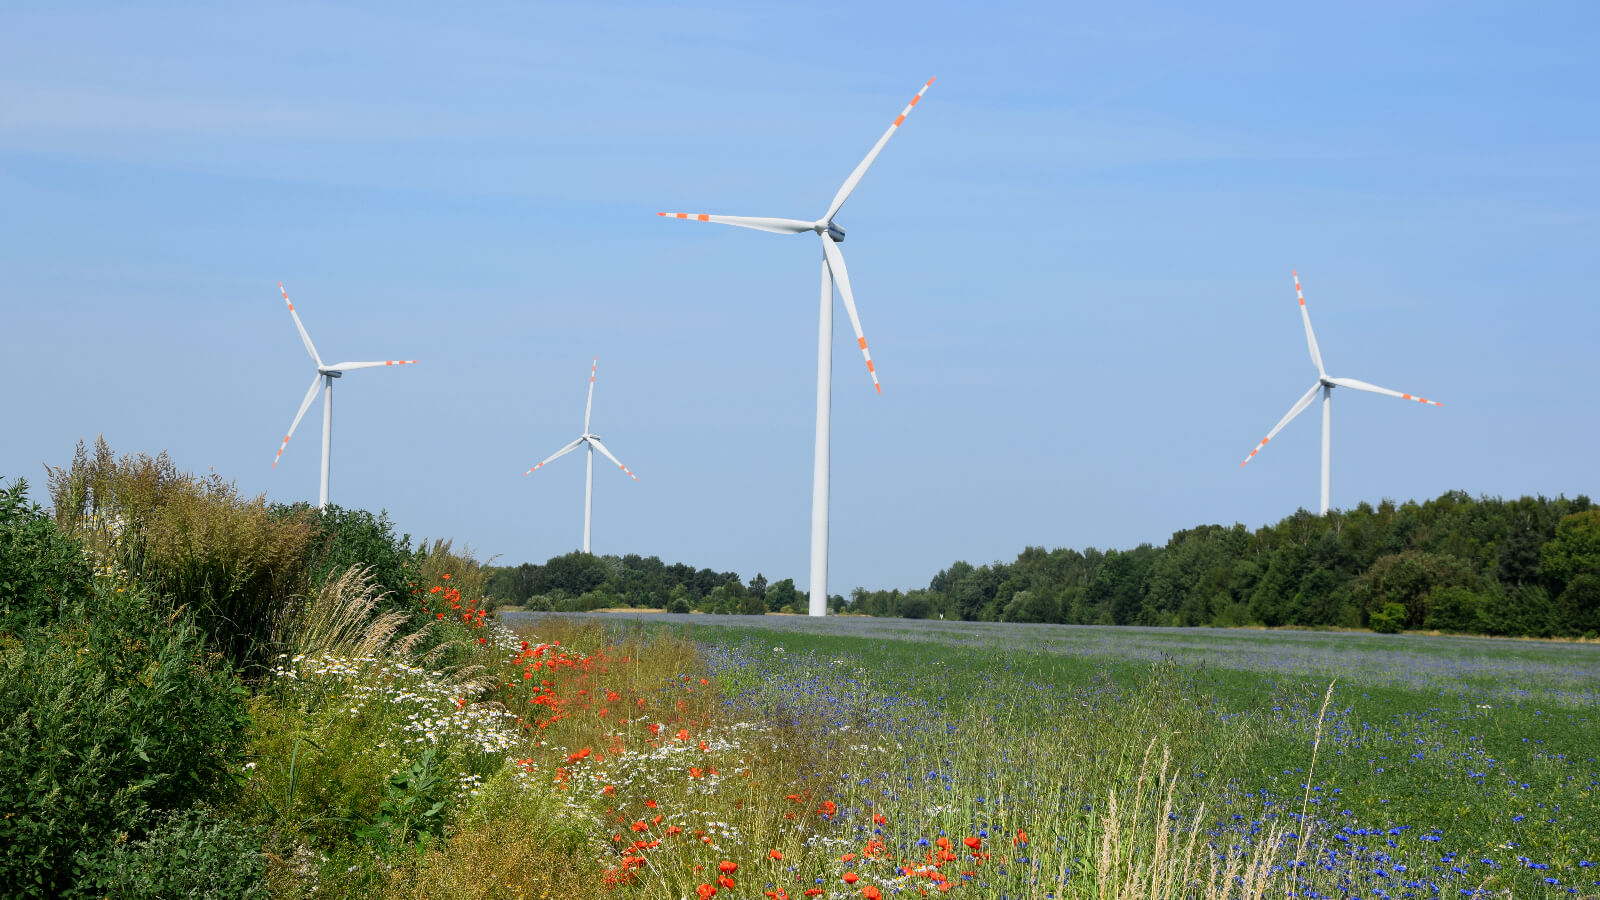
<point>311,395</point>
<point>347,366</point>
<point>1363,386</point>
<point>1295,410</point>
<point>590,405</point>
<point>595,443</point>
<point>303,335</point>
<point>842,277</point>
<point>860,170</point>
<point>1311,339</point>
<point>759,223</point>
<point>556,455</point>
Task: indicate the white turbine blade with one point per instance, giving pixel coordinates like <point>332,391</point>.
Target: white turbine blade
<point>759,223</point>
<point>860,170</point>
<point>347,366</point>
<point>1295,410</point>
<point>557,455</point>
<point>303,335</point>
<point>305,404</point>
<point>594,442</point>
<point>1363,386</point>
<point>1311,339</point>
<point>842,277</point>
<point>590,405</point>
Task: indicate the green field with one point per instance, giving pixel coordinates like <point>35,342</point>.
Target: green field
<point>1445,764</point>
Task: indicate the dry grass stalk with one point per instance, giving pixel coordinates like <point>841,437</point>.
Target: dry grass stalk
<point>339,618</point>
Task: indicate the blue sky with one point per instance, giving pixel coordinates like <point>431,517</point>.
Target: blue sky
<point>1072,263</point>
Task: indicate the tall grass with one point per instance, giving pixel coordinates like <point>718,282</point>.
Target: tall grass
<point>196,541</point>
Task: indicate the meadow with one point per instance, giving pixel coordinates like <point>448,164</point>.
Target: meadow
<point>202,695</point>
<point>1444,765</point>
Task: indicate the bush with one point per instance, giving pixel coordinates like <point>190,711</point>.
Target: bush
<point>189,854</point>
<point>1388,619</point>
<point>105,722</point>
<point>678,604</point>
<point>350,537</point>
<point>231,560</point>
<point>41,569</point>
<point>1454,609</point>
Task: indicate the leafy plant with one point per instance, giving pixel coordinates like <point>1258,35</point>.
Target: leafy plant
<point>42,571</point>
<point>413,806</point>
<point>194,853</point>
<point>106,721</point>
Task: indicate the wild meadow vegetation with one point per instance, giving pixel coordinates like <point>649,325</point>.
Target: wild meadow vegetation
<point>204,695</point>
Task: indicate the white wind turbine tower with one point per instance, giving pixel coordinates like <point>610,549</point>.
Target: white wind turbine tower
<point>593,440</point>
<point>1325,383</point>
<point>324,378</point>
<point>833,271</point>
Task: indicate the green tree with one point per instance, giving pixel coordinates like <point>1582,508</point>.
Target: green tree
<point>782,594</point>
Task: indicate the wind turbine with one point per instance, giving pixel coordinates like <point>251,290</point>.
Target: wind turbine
<point>833,271</point>
<point>324,377</point>
<point>1325,383</point>
<point>593,440</point>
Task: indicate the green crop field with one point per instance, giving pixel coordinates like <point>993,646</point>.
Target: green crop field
<point>1444,765</point>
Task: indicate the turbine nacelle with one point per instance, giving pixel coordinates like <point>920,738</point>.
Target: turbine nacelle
<point>831,230</point>
<point>331,373</point>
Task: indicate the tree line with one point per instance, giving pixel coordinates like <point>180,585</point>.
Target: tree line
<point>1529,566</point>
<point>578,582</point>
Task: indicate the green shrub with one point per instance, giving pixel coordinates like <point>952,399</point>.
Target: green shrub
<point>1454,609</point>
<point>194,853</point>
<point>1388,619</point>
<point>106,721</point>
<point>41,569</point>
<point>355,537</point>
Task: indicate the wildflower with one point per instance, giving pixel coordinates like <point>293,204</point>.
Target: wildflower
<point>878,819</point>
<point>851,878</point>
<point>972,842</point>
<point>727,867</point>
<point>828,808</point>
<point>682,735</point>
<point>725,881</point>
<point>650,803</point>
<point>445,577</point>
<point>812,892</point>
<point>694,772</point>
<point>706,891</point>
<point>1021,840</point>
<point>774,854</point>
<point>871,893</point>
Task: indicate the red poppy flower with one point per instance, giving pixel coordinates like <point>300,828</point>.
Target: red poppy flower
<point>851,878</point>
<point>694,772</point>
<point>1021,840</point>
<point>871,893</point>
<point>775,854</point>
<point>812,892</point>
<point>706,891</point>
<point>727,867</point>
<point>725,881</point>
<point>972,842</point>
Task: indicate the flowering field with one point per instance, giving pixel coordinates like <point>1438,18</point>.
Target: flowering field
<point>1165,763</point>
